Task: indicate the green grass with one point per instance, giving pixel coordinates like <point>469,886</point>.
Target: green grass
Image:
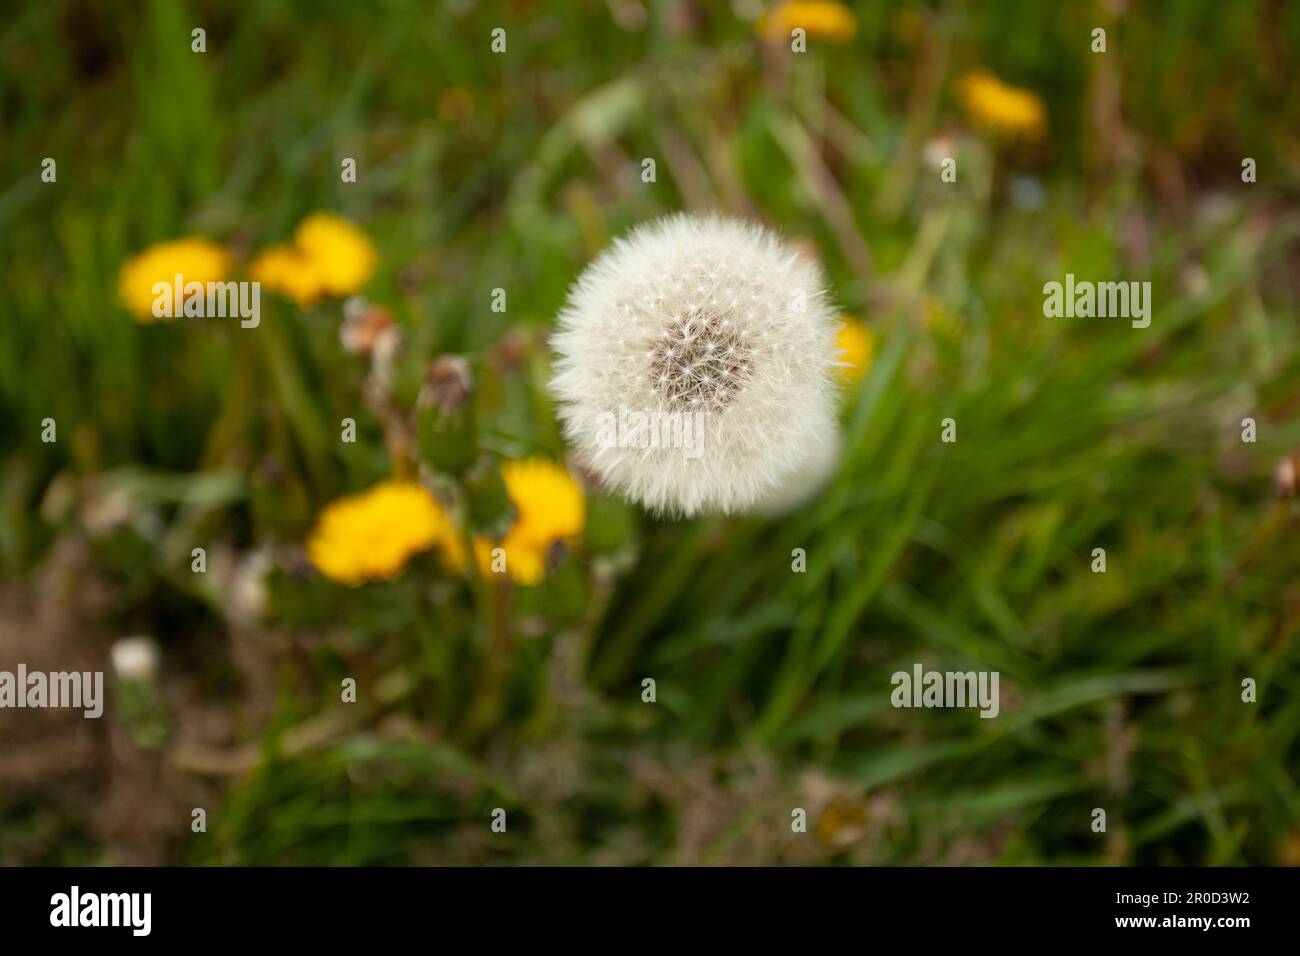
<point>1120,690</point>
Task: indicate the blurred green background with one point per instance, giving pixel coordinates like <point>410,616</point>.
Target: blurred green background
<point>477,171</point>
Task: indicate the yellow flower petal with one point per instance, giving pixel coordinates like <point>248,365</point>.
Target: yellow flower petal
<point>194,259</point>
<point>820,19</point>
<point>340,254</point>
<point>1000,107</point>
<point>549,501</point>
<point>854,344</point>
<point>285,270</point>
<point>370,536</point>
<point>549,507</point>
<point>525,561</point>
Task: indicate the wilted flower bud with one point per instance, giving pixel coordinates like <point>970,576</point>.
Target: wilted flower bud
<point>445,416</point>
<point>364,324</point>
<point>511,351</point>
<point>369,330</point>
<point>1287,475</point>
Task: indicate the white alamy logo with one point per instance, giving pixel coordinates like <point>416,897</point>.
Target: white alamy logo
<point>177,298</point>
<point>922,688</point>
<point>1125,300</point>
<point>75,908</point>
<point>629,429</point>
<point>75,689</point>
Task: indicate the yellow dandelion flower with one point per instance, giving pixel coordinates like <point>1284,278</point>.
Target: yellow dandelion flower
<point>1002,108</point>
<point>524,560</point>
<point>854,344</point>
<point>194,259</point>
<point>549,501</point>
<point>820,19</point>
<point>483,554</point>
<point>549,507</point>
<point>329,257</point>
<point>286,270</point>
<point>341,255</point>
<point>371,535</point>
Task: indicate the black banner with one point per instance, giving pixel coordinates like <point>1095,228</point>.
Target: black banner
<point>334,905</point>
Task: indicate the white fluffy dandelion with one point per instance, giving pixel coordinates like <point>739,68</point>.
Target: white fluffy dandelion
<point>135,658</point>
<point>805,482</point>
<point>695,365</point>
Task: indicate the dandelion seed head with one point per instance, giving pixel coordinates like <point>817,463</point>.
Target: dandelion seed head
<point>801,485</point>
<point>760,370</point>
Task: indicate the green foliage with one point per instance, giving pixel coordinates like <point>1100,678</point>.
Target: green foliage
<point>1120,689</point>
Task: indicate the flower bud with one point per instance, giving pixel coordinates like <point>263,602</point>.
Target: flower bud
<point>490,510</point>
<point>448,437</point>
<point>364,325</point>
